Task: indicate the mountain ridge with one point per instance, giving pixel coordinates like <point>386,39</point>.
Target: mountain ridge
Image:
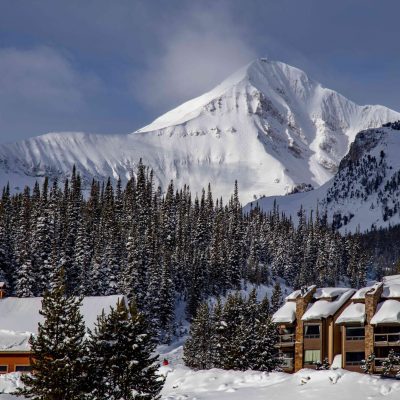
<point>363,195</point>
<point>268,125</point>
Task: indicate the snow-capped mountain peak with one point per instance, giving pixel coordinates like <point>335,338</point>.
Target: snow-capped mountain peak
<point>268,125</point>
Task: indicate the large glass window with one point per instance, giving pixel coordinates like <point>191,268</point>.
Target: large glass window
<point>23,368</point>
<point>312,331</point>
<point>312,356</point>
<point>354,357</point>
<point>355,333</point>
<point>3,369</point>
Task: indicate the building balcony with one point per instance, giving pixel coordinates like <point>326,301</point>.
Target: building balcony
<point>387,339</point>
<point>286,340</point>
<point>378,367</point>
<point>287,363</point>
<point>354,338</point>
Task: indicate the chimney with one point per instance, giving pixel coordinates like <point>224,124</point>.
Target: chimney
<point>372,298</point>
<point>2,290</point>
<point>302,303</point>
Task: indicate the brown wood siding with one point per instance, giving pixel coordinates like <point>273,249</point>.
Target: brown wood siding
<point>13,359</point>
<point>354,345</point>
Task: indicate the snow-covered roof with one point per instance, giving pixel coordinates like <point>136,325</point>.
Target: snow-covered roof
<point>294,295</point>
<point>325,308</point>
<point>391,290</point>
<point>388,312</point>
<point>286,314</point>
<point>354,313</point>
<point>19,317</point>
<point>329,292</point>
<point>391,279</point>
<point>360,294</point>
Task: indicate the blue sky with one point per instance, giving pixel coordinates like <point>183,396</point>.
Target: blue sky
<point>113,66</point>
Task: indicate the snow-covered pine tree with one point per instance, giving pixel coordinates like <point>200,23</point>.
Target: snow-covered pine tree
<point>121,361</point>
<point>367,365</point>
<point>57,349</point>
<point>391,364</point>
<point>217,338</point>
<point>197,350</point>
<point>264,350</point>
<point>276,298</point>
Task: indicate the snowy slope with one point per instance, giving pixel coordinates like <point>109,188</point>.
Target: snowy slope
<point>268,125</point>
<point>366,190</point>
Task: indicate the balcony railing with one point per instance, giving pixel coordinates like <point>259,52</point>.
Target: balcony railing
<point>387,339</point>
<point>287,363</point>
<point>353,363</point>
<point>315,336</point>
<point>286,339</point>
<point>378,364</point>
<point>355,338</point>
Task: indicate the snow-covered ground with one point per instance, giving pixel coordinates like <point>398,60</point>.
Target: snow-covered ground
<point>185,384</point>
<point>182,383</point>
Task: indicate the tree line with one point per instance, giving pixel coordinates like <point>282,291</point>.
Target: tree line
<point>157,248</point>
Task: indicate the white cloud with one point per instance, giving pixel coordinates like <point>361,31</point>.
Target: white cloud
<point>199,49</point>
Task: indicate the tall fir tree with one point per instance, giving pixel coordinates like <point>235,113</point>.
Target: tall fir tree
<point>57,349</point>
<point>121,360</point>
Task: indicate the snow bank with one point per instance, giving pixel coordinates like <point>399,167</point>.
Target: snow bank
<point>355,312</point>
<point>286,314</point>
<point>325,308</point>
<point>388,312</point>
<point>183,383</point>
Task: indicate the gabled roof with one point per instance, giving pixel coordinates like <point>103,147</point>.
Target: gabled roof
<point>326,308</point>
<point>354,313</point>
<point>360,294</point>
<point>19,318</point>
<point>329,292</point>
<point>286,314</point>
<point>388,312</point>
<point>299,293</point>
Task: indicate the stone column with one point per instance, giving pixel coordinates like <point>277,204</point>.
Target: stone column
<point>302,303</point>
<point>371,301</point>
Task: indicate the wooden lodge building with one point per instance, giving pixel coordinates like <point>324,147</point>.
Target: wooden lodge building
<point>341,325</point>
<point>19,320</point>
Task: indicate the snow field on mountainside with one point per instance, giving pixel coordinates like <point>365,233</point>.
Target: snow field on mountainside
<point>366,210</point>
<point>269,126</point>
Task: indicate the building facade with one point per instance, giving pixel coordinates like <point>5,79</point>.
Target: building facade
<point>339,326</point>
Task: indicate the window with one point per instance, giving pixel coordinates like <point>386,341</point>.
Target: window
<point>312,356</point>
<point>23,368</point>
<point>355,333</point>
<point>312,331</point>
<point>3,369</point>
<point>354,357</point>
